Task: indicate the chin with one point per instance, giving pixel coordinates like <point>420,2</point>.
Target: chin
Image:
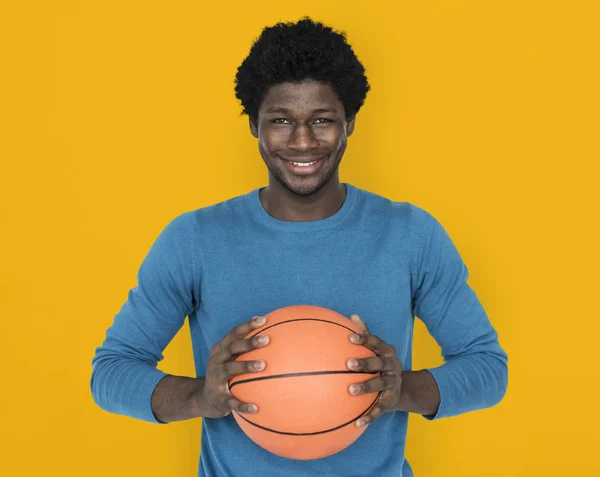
<point>297,185</point>
<point>307,188</point>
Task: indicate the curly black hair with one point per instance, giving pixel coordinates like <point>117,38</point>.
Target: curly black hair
<point>298,51</point>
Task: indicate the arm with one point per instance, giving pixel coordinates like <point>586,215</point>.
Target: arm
<point>124,373</point>
<point>475,373</point>
<point>177,398</point>
<point>419,393</point>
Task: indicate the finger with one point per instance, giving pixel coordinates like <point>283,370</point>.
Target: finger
<point>374,343</point>
<point>239,332</point>
<point>374,364</point>
<point>239,406</point>
<point>361,324</point>
<point>236,348</point>
<point>384,403</point>
<point>233,368</point>
<point>381,383</point>
<point>368,418</point>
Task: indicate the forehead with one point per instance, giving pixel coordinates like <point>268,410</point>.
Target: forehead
<point>306,95</point>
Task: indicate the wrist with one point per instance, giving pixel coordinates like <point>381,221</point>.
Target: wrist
<point>197,401</point>
<point>405,399</point>
<point>419,393</point>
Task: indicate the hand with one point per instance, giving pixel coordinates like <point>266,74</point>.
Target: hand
<point>387,363</point>
<point>221,367</point>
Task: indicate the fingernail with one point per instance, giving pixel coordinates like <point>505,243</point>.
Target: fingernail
<point>354,389</point>
<point>263,340</point>
<point>352,364</point>
<point>259,365</point>
<point>261,320</point>
<point>354,338</point>
<point>252,408</point>
<point>360,423</point>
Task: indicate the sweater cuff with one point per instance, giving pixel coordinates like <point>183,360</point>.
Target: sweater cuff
<point>447,404</point>
<point>144,382</point>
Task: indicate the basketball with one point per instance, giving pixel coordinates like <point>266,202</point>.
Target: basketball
<point>305,410</point>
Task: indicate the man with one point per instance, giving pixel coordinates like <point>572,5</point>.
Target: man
<point>306,238</point>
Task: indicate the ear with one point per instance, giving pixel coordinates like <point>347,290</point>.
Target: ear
<point>253,128</point>
<point>350,126</point>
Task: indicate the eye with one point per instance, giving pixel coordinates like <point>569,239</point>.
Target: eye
<point>323,121</point>
<point>279,120</point>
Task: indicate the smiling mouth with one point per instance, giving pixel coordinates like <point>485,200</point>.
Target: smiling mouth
<point>304,168</point>
<point>302,163</point>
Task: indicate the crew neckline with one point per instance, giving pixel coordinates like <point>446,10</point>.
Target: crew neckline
<point>265,218</point>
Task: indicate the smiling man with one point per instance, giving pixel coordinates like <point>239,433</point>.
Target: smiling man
<point>302,145</point>
<point>305,238</point>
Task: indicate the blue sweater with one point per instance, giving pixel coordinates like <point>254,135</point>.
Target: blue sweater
<point>221,265</point>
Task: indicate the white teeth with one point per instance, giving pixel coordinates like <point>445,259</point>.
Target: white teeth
<point>303,165</point>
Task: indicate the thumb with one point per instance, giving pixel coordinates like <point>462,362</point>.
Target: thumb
<point>361,324</point>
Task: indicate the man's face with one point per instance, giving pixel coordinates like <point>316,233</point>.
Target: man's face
<point>302,122</point>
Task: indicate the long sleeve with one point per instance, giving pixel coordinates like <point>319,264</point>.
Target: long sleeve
<point>475,372</point>
<point>124,372</point>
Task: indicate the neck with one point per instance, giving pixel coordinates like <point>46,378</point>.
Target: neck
<point>282,204</point>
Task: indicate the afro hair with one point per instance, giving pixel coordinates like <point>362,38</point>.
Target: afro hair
<point>295,52</point>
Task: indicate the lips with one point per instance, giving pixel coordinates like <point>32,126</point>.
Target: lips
<point>304,170</point>
<point>305,160</point>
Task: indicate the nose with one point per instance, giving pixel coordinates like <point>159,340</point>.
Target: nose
<point>302,138</point>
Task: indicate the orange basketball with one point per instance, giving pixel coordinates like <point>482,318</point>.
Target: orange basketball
<point>305,410</point>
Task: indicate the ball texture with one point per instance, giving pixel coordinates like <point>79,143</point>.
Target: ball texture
<point>305,408</point>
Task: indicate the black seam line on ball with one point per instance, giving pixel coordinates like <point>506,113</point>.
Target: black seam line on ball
<point>295,375</point>
<point>310,433</point>
<point>300,319</point>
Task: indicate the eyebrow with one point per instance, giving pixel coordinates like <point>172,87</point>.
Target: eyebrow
<point>279,109</point>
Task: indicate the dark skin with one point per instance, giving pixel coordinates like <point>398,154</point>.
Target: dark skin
<point>218,400</point>
<point>301,122</point>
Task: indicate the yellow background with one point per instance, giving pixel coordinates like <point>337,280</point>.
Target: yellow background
<point>116,116</point>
